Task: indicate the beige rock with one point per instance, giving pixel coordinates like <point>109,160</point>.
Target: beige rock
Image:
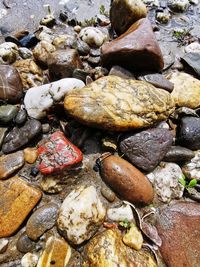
<point>30,154</point>
<point>42,50</point>
<point>8,53</point>
<point>133,238</point>
<point>29,260</point>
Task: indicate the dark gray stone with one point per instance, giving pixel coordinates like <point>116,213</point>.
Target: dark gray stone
<point>8,113</point>
<point>193,60</point>
<point>25,244</point>
<point>178,154</point>
<point>82,47</point>
<point>21,117</point>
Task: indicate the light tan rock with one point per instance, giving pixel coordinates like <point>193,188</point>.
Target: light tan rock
<point>133,238</point>
<point>42,50</point>
<point>30,154</point>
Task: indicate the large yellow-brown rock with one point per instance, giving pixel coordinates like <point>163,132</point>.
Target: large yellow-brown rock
<point>17,199</point>
<point>117,104</point>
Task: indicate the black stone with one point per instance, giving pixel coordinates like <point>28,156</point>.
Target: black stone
<point>178,154</point>
<point>29,40</point>
<point>21,117</point>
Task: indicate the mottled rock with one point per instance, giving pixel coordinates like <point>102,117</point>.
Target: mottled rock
<point>191,169</point>
<point>21,117</point>
<point>133,238</point>
<point>82,47</point>
<point>25,53</point>
<point>19,137</point>
<point>113,103</point>
<point>29,260</point>
<point>120,214</point>
<point>126,180</point>
<point>8,53</point>
<point>10,84</point>
<point>8,113</point>
<point>178,154</point>
<point>129,11</point>
<point>193,60</point>
<point>178,5</point>
<point>51,185</point>
<point>136,49</point>
<point>193,48</point>
<point>63,41</point>
<point>146,149</point>
<point>186,91</point>
<point>25,244</point>
<point>180,245</point>
<point>3,245</point>
<point>42,52</point>
<point>165,180</point>
<point>93,36</point>
<point>76,222</point>
<point>17,199</point>
<point>107,193</point>
<point>10,164</point>
<point>121,72</point>
<point>30,154</point>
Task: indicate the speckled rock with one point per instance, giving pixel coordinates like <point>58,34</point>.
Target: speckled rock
<point>3,245</point>
<point>120,214</point>
<point>178,5</point>
<point>42,52</point>
<point>8,113</point>
<point>146,149</point>
<point>76,222</point>
<point>29,260</point>
<point>8,53</point>
<point>136,49</point>
<point>30,154</point>
<point>63,41</point>
<point>93,36</point>
<point>25,53</point>
<point>129,11</point>
<point>133,238</point>
<point>17,199</point>
<point>186,91</point>
<point>178,154</point>
<point>191,169</point>
<point>113,103</point>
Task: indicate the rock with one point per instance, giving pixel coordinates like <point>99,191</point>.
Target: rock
<point>165,180</point>
<point>10,84</point>
<point>21,117</point>
<point>29,260</point>
<point>107,193</point>
<point>147,148</point>
<point>193,60</point>
<point>192,48</point>
<point>46,128</point>
<point>77,28</point>
<point>39,99</point>
<point>81,47</point>
<point>126,180</point>
<point>129,11</point>
<point>121,72</point>
<point>58,153</point>
<point>3,132</point>
<point>188,134</point>
<point>93,36</point>
<point>133,238</point>
<point>110,240</point>
<point>17,200</point>
<point>94,61</point>
<point>191,169</point>
<point>25,53</point>
<point>8,113</point>
<point>42,52</point>
<point>10,164</point>
<point>103,104</point>
<point>194,2</point>
<point>49,21</point>
<point>62,63</point>
<point>56,253</point>
<point>103,20</point>
<point>120,214</point>
<point>180,245</point>
<point>137,49</point>
<point>158,80</point>
<point>25,244</point>
<point>3,245</point>
<point>30,154</point>
<point>8,53</point>
<point>30,73</point>
<point>18,137</point>
<point>43,219</point>
<point>163,17</point>
<point>29,40</point>
<point>109,144</point>
<point>51,185</point>
<point>186,91</point>
<point>76,222</point>
<point>178,154</point>
<point>178,5</point>
<point>63,41</point>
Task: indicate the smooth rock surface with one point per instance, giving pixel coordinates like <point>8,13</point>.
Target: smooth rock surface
<point>42,51</point>
<point>30,154</point>
<point>8,53</point>
<point>113,103</point>
<point>8,113</point>
<point>121,72</point>
<point>133,238</point>
<point>25,244</point>
<point>120,214</point>
<point>29,260</point>
<point>178,154</point>
<point>191,169</point>
<point>93,36</point>
<point>193,60</point>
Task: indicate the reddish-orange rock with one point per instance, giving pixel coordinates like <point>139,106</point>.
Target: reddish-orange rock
<point>126,180</point>
<point>136,49</point>
<point>17,199</point>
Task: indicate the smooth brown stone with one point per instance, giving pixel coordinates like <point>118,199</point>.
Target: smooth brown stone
<point>25,244</point>
<point>30,154</point>
<point>126,180</point>
<point>136,49</point>
<point>17,199</point>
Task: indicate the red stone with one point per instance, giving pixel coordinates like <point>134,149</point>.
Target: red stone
<point>57,153</point>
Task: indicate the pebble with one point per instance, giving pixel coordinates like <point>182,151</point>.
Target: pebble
<point>77,28</point>
<point>10,164</point>
<point>49,21</point>
<point>94,61</point>
<point>25,53</point>
<point>8,113</point>
<point>178,5</point>
<point>19,198</point>
<point>163,17</point>
<point>82,47</point>
<point>107,193</point>
<point>63,41</point>
<point>51,185</point>
<point>193,60</point>
<point>120,214</point>
<point>46,128</point>
<point>109,144</point>
<point>191,169</point>
<point>3,245</point>
<point>178,154</point>
<point>3,132</point>
<point>193,48</point>
<point>133,238</point>
<point>121,72</point>
<point>103,20</point>
<point>25,244</point>
<point>30,154</point>
<point>76,222</point>
<point>29,260</point>
<point>8,53</point>
<point>29,40</point>
<point>21,117</point>
<point>93,36</point>
<point>42,52</point>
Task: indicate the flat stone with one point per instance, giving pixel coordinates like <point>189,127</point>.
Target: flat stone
<point>17,199</point>
<point>8,113</point>
<point>10,164</point>
<point>191,169</point>
<point>136,49</point>
<point>193,60</point>
<point>117,104</point>
<point>178,154</point>
<point>179,228</point>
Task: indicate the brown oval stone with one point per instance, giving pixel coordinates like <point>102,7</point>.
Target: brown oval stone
<point>126,180</point>
<point>25,244</point>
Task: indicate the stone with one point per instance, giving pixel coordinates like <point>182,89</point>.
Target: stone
<point>38,100</point>
<point>137,49</point>
<point>62,63</point>
<point>193,48</point>
<point>94,61</point>
<point>147,148</point>
<point>158,80</point>
<point>186,91</point>
<point>117,104</point>
<point>30,154</point>
<point>46,128</point>
<point>10,84</point>
<point>21,117</point>
<point>25,53</point>
<point>93,36</point>
<point>3,132</point>
<point>103,20</point>
<point>57,153</point>
<point>109,144</point>
<point>49,21</point>
<point>63,41</point>
<point>126,180</point>
<point>178,154</point>
<point>165,180</point>
<point>107,193</point>
<point>57,253</point>
<point>8,113</point>
<point>193,60</point>
<point>17,200</point>
<point>51,185</point>
<point>76,222</point>
<point>188,134</point>
<point>194,2</point>
<point>10,164</point>
<point>129,11</point>
<point>8,53</point>
<point>42,52</point>
<point>178,5</point>
<point>29,260</point>
<point>29,40</point>
<point>191,169</point>
<point>120,214</point>
<point>3,245</point>
<point>180,245</point>
<point>121,72</point>
<point>133,238</point>
<point>25,244</point>
<point>163,17</point>
<point>82,48</point>
<point>18,137</point>
<point>43,219</point>
<point>30,73</point>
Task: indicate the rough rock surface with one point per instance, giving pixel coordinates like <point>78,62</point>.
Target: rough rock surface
<point>191,169</point>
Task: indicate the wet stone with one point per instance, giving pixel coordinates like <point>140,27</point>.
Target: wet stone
<point>25,244</point>
<point>21,117</point>
<point>8,113</point>
<point>30,154</point>
<point>107,193</point>
<point>191,169</point>
<point>3,132</point>
<point>178,154</point>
